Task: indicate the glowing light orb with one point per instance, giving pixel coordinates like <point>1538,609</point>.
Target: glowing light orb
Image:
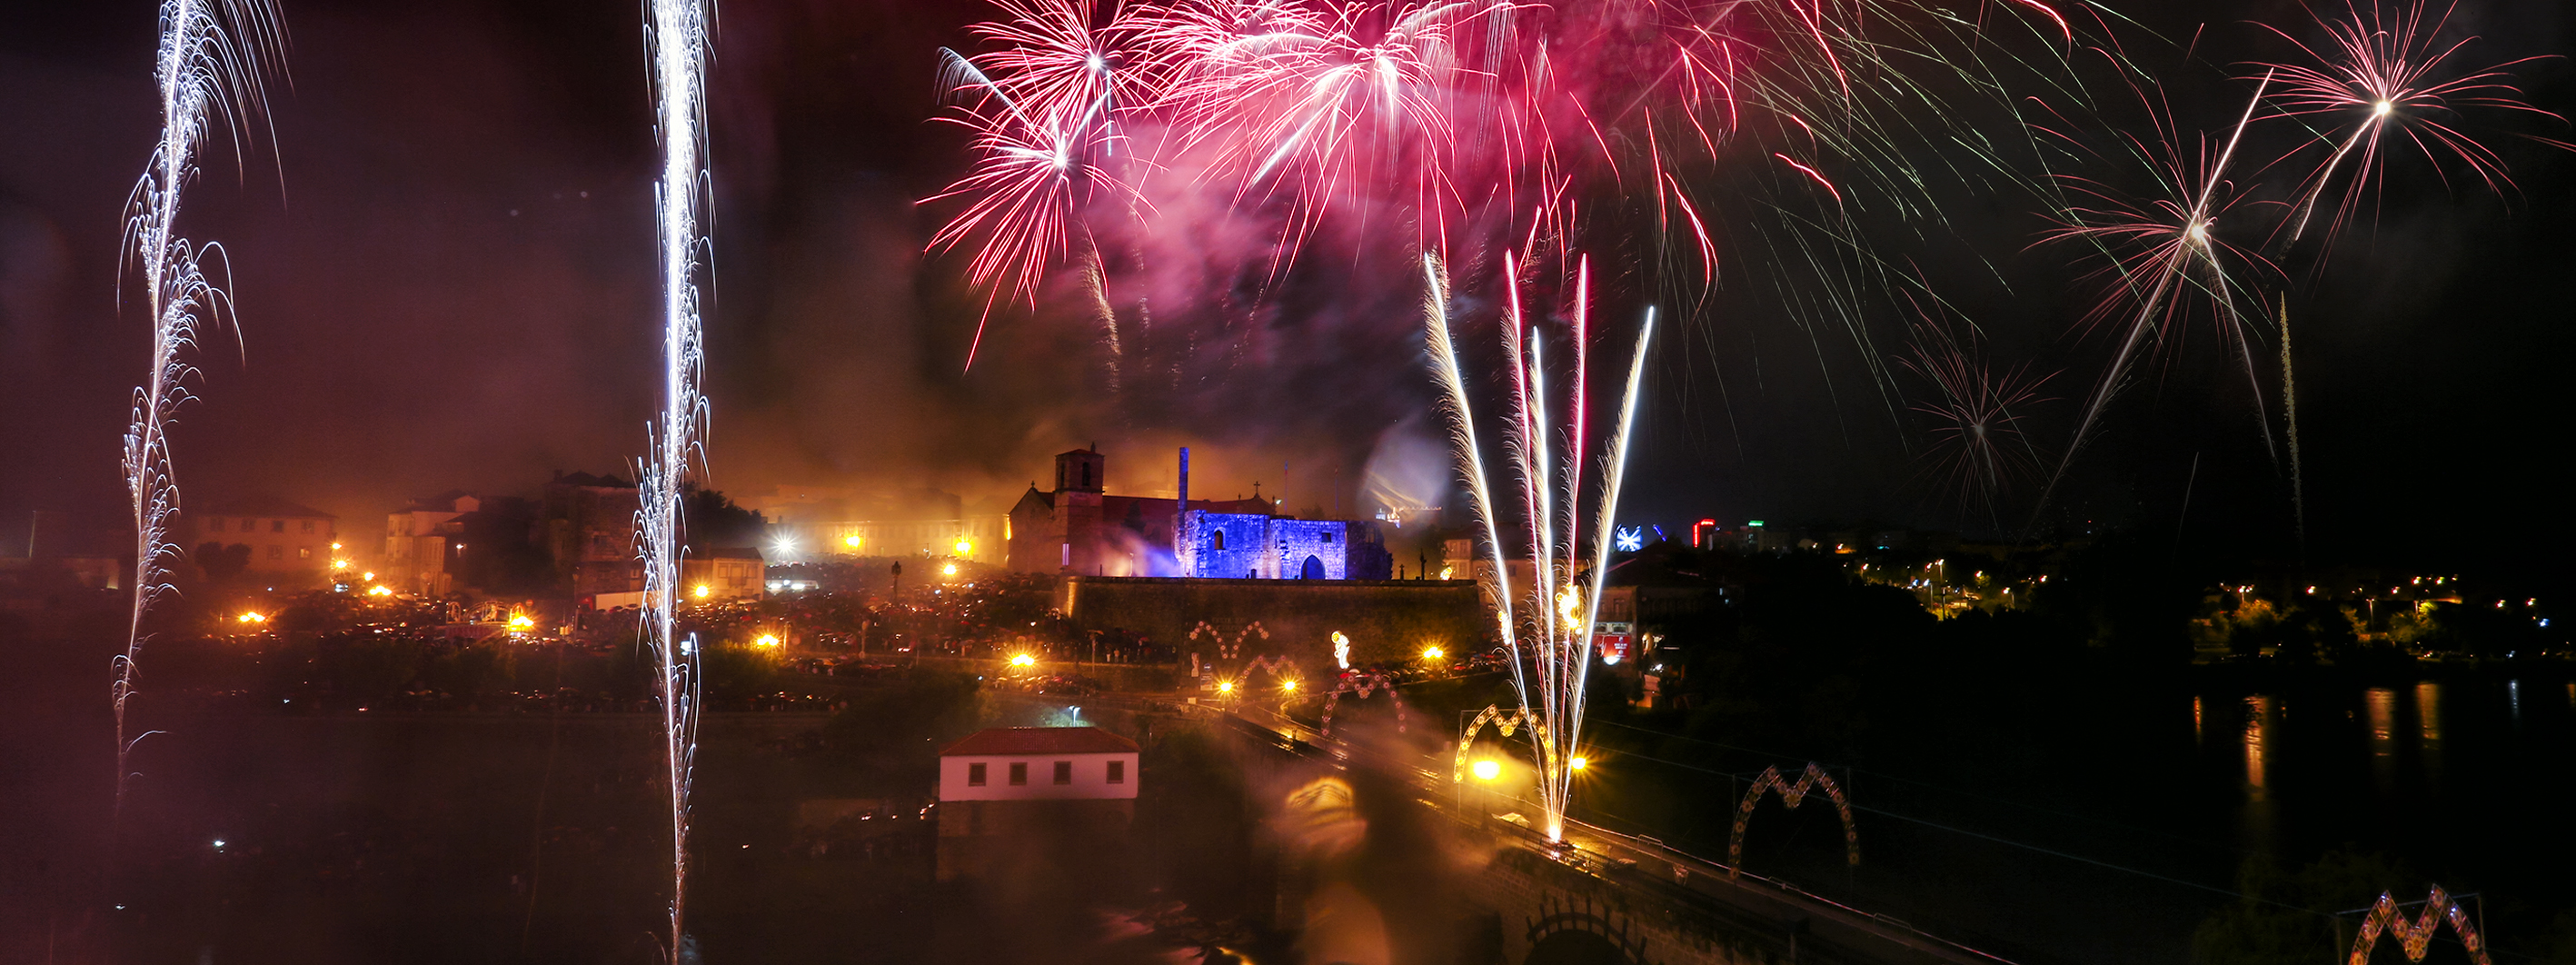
<point>702,591</point>
<point>1488,769</point>
<point>1578,762</point>
<point>1225,686</point>
<point>369,576</point>
<point>1023,660</point>
<point>521,622</point>
<point>948,570</point>
<point>253,617</point>
<point>1289,686</point>
<point>380,590</point>
<point>338,565</point>
<point>1447,573</point>
<point>1433,653</point>
<point>965,546</point>
<point>851,541</point>
<point>2381,109</point>
<point>766,640</point>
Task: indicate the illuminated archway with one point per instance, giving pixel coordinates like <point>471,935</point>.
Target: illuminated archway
<point>1505,722</point>
<point>1790,794</point>
<point>2416,937</point>
<point>1364,685</point>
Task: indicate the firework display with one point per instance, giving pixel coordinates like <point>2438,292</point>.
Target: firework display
<point>1546,627</point>
<point>2416,938</point>
<point>211,68</point>
<point>1469,128</point>
<point>1790,794</point>
<point>677,31</point>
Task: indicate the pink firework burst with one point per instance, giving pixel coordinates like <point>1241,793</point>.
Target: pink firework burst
<point>2386,71</point>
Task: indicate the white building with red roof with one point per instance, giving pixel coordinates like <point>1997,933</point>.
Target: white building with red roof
<point>1000,787</point>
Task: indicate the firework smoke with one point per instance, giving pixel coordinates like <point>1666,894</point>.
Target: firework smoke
<point>1546,626</point>
<point>213,60</point>
<point>676,34</point>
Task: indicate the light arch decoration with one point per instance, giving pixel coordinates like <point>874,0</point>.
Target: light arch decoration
<point>1363,685</point>
<point>1790,794</point>
<point>1229,650</point>
<point>2416,938</point>
<point>1505,722</point>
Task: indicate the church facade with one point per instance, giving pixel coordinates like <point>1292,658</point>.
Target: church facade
<point>1079,528</point>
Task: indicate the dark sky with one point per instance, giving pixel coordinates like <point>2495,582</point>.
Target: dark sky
<point>445,279</point>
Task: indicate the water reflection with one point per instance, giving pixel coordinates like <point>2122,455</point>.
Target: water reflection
<point>2258,726</point>
<point>2381,704</point>
<point>2428,714</point>
<point>2261,726</point>
<point>2197,737</point>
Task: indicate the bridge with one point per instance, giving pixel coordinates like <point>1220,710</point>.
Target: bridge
<point>1606,898</point>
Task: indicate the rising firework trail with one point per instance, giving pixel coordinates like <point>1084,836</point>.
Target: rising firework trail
<point>676,38</point>
<point>213,61</point>
<point>1547,626</point>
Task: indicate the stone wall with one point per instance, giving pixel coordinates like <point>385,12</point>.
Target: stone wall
<point>1388,621</point>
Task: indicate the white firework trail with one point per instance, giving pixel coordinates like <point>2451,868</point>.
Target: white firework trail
<point>676,38</point>
<point>213,59</point>
<point>1551,639</point>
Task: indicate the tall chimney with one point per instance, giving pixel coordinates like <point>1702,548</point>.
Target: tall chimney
<point>1181,521</point>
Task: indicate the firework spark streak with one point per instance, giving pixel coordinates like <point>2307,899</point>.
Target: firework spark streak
<point>1978,443</point>
<point>1551,641</point>
<point>2386,72</point>
<point>2382,72</point>
<point>677,41</point>
<point>2177,250</point>
<point>214,57</point>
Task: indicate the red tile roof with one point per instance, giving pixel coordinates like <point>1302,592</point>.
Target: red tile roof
<point>1040,740</point>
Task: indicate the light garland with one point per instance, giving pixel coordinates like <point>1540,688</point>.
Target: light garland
<point>1364,685</point>
<point>1791,794</point>
<point>2416,938</point>
<point>1505,722</point>
<point>1224,650</point>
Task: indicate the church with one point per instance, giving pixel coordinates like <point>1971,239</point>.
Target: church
<point>1079,528</point>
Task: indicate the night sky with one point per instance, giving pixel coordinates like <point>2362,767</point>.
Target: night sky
<point>445,279</point>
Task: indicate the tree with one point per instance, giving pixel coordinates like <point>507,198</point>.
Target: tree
<point>714,521</point>
<point>220,563</point>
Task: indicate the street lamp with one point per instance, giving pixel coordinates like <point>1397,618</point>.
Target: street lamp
<point>1487,769</point>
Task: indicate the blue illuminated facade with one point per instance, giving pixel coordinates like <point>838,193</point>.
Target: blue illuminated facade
<point>1262,547</point>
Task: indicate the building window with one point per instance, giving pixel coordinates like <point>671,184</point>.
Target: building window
<point>1064,772</point>
<point>974,775</point>
<point>277,526</point>
<point>1117,772</point>
<point>304,552</point>
<point>250,525</point>
<point>276,552</point>
<point>1019,774</point>
<point>1219,541</point>
<point>214,526</point>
